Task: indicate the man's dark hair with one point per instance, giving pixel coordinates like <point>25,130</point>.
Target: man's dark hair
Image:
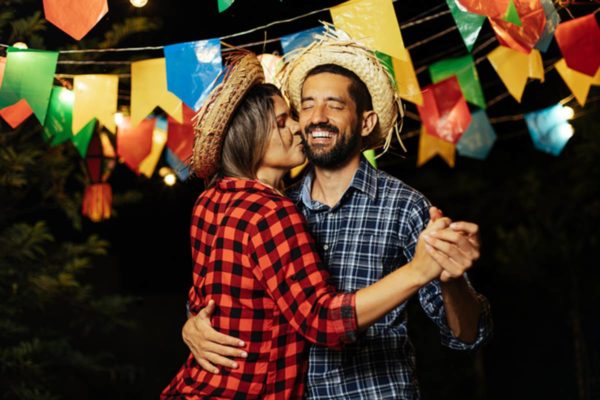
<point>358,90</point>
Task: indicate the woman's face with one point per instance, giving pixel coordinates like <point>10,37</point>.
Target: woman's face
<point>284,149</point>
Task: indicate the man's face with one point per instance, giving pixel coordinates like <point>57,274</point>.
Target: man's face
<point>328,119</point>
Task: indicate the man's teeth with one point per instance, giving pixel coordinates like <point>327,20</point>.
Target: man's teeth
<point>321,134</point>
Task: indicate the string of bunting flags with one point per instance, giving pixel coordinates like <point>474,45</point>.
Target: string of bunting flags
<point>88,115</point>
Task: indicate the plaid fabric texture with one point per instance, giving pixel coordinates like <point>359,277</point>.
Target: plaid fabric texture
<point>373,230</point>
<point>253,256</point>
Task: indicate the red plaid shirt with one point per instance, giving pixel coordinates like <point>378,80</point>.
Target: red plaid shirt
<point>253,255</point>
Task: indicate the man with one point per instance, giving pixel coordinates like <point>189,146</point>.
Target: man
<point>366,223</point>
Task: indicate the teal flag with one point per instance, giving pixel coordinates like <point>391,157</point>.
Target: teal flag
<point>224,4</point>
<point>468,24</point>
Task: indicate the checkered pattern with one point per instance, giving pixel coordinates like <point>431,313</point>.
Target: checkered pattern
<point>253,256</point>
<point>370,232</point>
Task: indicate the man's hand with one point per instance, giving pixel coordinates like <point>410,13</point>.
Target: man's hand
<point>455,248</point>
<point>208,346</point>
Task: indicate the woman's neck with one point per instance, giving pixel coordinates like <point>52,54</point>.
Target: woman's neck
<point>271,176</point>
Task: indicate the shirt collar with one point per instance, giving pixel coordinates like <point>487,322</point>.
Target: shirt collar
<point>232,184</point>
<point>364,180</point>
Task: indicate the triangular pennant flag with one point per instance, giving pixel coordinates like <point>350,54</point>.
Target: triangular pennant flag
<point>578,83</point>
<point>82,139</point>
<point>444,112</point>
<point>95,97</point>
<point>552,21</point>
<point>596,79</point>
<point>468,24</point>
<point>479,138</point>
<point>514,67</point>
<point>524,37</point>
<point>75,17</point>
<point>192,70</point>
<point>149,90</point>
<point>579,42</point>
<point>28,75</point>
<point>512,15</point>
<point>464,69</point>
<point>371,158</point>
<point>294,172</point>
<point>495,8</point>
<point>549,129</point>
<point>59,118</point>
<point>372,23</point>
<point>272,65</point>
<point>181,169</point>
<point>134,142</point>
<point>159,139</point>
<point>16,114</point>
<point>300,39</point>
<point>224,4</point>
<point>430,146</point>
<point>536,65</point>
<point>181,136</point>
<point>406,79</point>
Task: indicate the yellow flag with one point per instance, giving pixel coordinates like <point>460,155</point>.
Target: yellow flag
<point>371,22</point>
<point>149,90</point>
<point>578,82</point>
<point>294,172</point>
<point>406,79</point>
<point>536,66</point>
<point>159,139</point>
<point>430,146</point>
<point>512,67</point>
<point>95,97</point>
<point>596,79</point>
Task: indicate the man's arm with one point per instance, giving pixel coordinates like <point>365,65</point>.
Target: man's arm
<point>456,249</point>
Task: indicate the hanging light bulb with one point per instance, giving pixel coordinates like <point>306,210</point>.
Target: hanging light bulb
<point>138,3</point>
<point>170,179</point>
<point>567,112</point>
<point>119,118</point>
<point>20,45</point>
<point>565,131</point>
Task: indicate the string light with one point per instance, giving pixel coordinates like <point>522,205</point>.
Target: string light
<point>119,118</point>
<point>20,45</point>
<point>170,179</point>
<point>567,113</point>
<point>138,3</point>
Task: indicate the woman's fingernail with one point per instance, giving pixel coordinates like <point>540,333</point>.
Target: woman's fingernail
<point>241,344</point>
<point>234,365</point>
<point>243,354</point>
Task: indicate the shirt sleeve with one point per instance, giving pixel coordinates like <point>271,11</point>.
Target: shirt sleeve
<point>430,297</point>
<point>290,270</point>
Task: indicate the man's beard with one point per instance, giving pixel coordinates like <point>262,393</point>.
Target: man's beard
<point>345,147</point>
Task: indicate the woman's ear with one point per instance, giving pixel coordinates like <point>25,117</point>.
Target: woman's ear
<point>369,121</point>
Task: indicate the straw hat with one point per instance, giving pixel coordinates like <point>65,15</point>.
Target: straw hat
<point>243,71</point>
<point>336,47</point>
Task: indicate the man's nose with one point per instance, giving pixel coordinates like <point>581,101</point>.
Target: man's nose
<point>318,114</point>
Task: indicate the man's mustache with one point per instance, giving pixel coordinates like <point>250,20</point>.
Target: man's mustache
<point>321,126</point>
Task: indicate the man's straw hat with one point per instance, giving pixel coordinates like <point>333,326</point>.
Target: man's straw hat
<point>243,71</point>
<point>335,47</point>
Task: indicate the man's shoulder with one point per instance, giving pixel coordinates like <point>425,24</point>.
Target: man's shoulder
<point>394,189</point>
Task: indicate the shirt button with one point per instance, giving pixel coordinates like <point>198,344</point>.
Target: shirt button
<point>325,247</point>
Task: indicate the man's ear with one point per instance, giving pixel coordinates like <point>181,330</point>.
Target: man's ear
<point>369,121</point>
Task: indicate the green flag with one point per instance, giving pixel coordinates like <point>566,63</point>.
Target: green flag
<point>83,137</point>
<point>370,156</point>
<point>464,69</point>
<point>224,4</point>
<point>468,24</point>
<point>388,64</point>
<point>28,75</point>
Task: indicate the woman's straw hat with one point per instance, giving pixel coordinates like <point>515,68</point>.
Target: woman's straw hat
<point>242,72</point>
<point>335,47</point>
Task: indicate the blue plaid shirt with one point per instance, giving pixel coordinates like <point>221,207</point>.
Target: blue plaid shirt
<point>371,231</point>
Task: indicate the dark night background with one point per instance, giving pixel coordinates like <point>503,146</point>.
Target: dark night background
<point>538,216</point>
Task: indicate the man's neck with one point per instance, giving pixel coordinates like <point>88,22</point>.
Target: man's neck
<point>329,185</point>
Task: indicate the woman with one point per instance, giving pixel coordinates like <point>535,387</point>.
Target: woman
<point>254,257</point>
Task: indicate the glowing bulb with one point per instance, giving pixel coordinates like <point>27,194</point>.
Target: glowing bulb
<point>164,171</point>
<point>170,179</point>
<point>138,3</point>
<point>566,131</point>
<point>118,118</point>
<point>567,113</point>
<point>20,45</point>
